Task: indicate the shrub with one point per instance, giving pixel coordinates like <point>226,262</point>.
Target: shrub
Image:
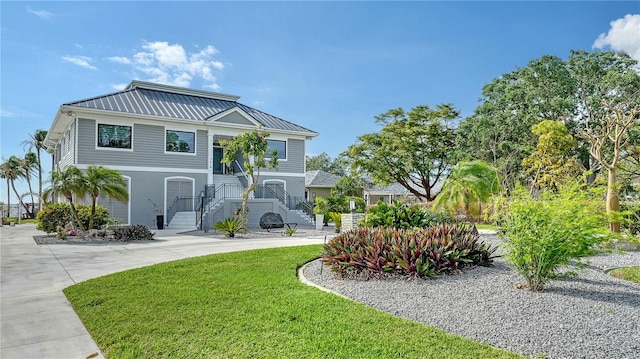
<point>231,225</point>
<point>54,216</point>
<point>59,215</point>
<point>136,232</point>
<point>101,217</point>
<point>425,252</point>
<point>290,231</point>
<point>631,217</point>
<point>543,234</point>
<point>337,220</point>
<point>402,216</point>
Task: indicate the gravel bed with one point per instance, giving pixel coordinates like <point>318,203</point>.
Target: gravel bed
<point>592,315</point>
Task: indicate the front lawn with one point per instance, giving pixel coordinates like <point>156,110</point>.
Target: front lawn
<point>248,305</point>
<point>630,273</point>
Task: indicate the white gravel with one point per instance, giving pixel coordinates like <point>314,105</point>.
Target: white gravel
<point>593,315</point>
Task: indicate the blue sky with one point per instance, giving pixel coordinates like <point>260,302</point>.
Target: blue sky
<point>328,66</point>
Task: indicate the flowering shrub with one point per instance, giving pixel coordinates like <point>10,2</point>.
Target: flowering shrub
<point>63,232</point>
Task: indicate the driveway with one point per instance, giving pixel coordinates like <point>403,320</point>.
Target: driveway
<point>37,321</point>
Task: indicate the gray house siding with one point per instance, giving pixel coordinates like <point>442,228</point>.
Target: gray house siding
<point>148,148</point>
<point>148,191</point>
<point>66,149</point>
<point>236,118</point>
<point>293,185</point>
<point>295,157</point>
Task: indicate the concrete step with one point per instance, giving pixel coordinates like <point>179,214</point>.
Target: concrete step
<point>183,220</point>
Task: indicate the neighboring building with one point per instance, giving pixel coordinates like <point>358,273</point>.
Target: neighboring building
<point>165,141</point>
<point>318,184</point>
<point>387,194</point>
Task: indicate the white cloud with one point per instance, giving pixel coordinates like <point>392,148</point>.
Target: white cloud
<point>43,14</point>
<point>119,87</point>
<point>120,60</point>
<point>624,35</point>
<point>82,61</point>
<point>171,64</point>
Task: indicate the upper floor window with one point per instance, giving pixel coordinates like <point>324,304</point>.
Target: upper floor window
<point>114,136</point>
<point>180,141</point>
<point>280,146</point>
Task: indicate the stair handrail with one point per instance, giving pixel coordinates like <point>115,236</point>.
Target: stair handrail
<point>246,176</point>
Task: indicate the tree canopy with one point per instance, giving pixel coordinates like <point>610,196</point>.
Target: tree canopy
<point>414,149</point>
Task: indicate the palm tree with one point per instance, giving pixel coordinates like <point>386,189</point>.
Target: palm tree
<point>469,184</point>
<point>69,182</point>
<point>101,180</point>
<point>36,140</point>
<point>5,174</point>
<point>27,164</point>
<point>14,171</point>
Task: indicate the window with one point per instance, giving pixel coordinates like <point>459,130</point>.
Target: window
<point>280,146</point>
<point>179,141</point>
<point>114,136</point>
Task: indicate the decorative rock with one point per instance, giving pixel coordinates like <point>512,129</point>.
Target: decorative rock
<point>271,220</point>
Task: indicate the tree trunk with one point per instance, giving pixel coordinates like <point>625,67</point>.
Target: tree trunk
<point>17,195</point>
<point>613,203</point>
<point>74,211</point>
<point>8,200</point>
<point>39,181</point>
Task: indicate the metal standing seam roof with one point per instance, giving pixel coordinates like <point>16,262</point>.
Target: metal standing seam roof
<point>141,100</point>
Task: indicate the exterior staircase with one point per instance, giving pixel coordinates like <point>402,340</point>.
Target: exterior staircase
<point>183,220</point>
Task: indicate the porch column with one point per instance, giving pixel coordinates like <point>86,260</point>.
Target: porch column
<point>210,156</point>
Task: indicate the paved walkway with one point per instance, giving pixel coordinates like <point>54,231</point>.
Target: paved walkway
<point>37,321</point>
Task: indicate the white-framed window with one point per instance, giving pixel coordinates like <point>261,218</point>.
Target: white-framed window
<point>278,145</point>
<point>119,137</point>
<point>180,141</point>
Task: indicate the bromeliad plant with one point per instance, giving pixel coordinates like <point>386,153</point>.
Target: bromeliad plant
<point>425,252</point>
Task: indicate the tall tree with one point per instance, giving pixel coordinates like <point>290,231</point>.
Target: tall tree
<point>469,185</point>
<point>14,172</point>
<point>69,183</point>
<point>100,180</point>
<point>499,131</point>
<point>36,140</point>
<point>29,164</point>
<point>413,149</point>
<point>608,98</point>
<point>323,162</point>
<point>5,173</point>
<point>255,151</point>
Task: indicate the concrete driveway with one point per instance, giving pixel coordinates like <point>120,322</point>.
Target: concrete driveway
<point>37,321</point>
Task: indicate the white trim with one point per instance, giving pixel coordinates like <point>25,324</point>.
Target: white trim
<point>112,123</point>
<point>75,149</point>
<point>234,110</point>
<point>164,195</point>
<point>282,174</point>
<point>195,142</point>
<point>210,135</point>
<point>286,150</point>
<point>129,201</point>
<point>151,169</point>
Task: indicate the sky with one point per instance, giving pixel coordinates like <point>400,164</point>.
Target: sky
<point>328,66</point>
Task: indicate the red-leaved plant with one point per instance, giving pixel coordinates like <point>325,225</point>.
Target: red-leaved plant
<point>425,252</point>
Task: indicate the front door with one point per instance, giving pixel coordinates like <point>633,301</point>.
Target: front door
<point>218,166</point>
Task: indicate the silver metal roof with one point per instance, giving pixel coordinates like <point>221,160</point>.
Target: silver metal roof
<point>144,98</point>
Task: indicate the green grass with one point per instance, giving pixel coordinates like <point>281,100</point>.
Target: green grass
<point>487,226</point>
<point>629,273</point>
<point>248,305</point>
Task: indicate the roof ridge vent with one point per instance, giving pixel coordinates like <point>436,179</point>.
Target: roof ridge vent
<point>180,90</point>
